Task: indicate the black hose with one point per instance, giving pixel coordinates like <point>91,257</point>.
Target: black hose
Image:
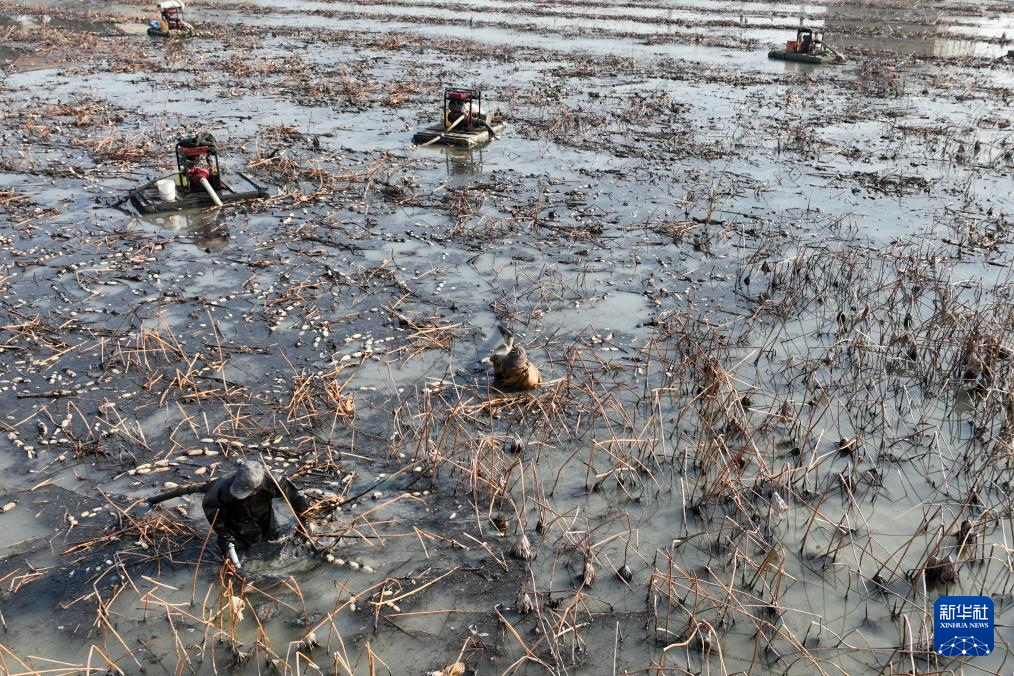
<point>177,492</point>
<point>488,127</point>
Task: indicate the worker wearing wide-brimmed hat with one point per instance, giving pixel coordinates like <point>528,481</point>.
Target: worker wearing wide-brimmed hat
<point>238,506</point>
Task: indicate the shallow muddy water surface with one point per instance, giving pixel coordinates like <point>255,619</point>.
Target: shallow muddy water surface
<point>770,304</point>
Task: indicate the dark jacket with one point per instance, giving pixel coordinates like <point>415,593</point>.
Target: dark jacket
<point>250,520</point>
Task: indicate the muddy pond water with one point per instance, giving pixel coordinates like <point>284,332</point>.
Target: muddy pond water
<point>771,304</point>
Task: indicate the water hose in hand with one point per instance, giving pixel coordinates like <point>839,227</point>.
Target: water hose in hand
<point>178,492</point>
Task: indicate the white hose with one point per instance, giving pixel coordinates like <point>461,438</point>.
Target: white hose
<point>434,140</point>
<point>211,192</point>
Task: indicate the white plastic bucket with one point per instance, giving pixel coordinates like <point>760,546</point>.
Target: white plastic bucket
<point>167,189</point>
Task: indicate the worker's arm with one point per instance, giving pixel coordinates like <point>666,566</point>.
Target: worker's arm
<point>295,500</point>
<point>216,517</point>
<point>222,534</point>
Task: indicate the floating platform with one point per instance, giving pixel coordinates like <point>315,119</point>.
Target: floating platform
<point>802,58</point>
<point>437,135</point>
<point>156,33</point>
<point>241,187</point>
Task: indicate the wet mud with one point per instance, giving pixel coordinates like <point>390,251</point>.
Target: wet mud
<point>769,302</point>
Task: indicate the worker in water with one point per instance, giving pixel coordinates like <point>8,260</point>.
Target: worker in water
<point>238,507</point>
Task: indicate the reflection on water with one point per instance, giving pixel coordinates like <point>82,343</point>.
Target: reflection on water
<point>942,47</point>
<point>207,229</point>
<point>919,30</point>
<point>578,290</point>
<point>935,34</point>
<point>463,161</point>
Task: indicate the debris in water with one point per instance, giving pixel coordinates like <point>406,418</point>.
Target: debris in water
<point>588,573</point>
<point>522,548</point>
